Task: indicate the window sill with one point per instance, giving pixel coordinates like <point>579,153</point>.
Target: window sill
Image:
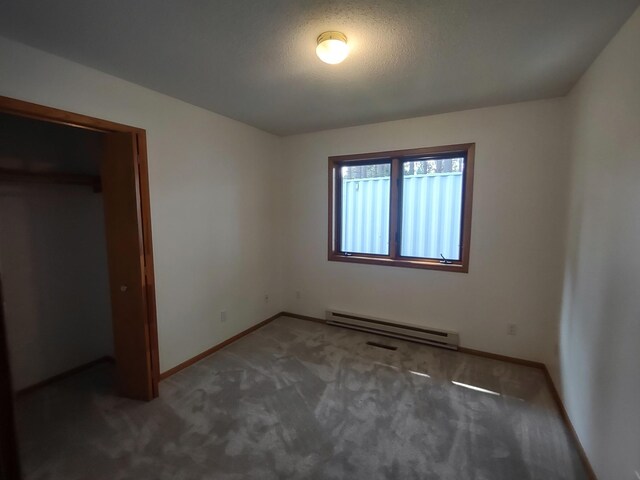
<point>402,262</point>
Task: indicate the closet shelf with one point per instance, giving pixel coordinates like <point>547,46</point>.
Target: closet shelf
<point>22,176</point>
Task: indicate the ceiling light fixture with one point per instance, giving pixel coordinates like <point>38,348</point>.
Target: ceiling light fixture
<point>332,47</point>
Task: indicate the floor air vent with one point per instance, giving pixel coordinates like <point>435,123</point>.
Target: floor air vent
<point>438,338</point>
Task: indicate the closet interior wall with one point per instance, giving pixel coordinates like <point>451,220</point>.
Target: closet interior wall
<point>53,258</point>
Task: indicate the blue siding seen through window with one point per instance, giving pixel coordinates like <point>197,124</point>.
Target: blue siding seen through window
<point>432,215</point>
<point>365,209</point>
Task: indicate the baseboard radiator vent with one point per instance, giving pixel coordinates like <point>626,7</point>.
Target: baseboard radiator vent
<point>379,326</point>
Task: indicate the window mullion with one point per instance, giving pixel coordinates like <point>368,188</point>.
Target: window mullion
<point>394,221</point>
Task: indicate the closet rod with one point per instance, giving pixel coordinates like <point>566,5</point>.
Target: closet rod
<point>24,176</point>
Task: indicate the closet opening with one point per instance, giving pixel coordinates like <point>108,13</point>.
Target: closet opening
<point>76,264</point>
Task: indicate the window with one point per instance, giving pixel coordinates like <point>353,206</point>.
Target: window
<point>407,208</point>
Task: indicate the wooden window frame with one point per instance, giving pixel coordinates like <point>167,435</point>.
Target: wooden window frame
<point>396,158</point>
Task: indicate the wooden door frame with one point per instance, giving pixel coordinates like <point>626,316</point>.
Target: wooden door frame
<point>54,115</point>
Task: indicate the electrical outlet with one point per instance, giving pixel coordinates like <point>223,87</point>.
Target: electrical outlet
<point>298,295</point>
<point>512,329</point>
<point>223,316</point>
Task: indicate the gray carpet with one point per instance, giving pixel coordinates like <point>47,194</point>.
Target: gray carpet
<point>300,400</point>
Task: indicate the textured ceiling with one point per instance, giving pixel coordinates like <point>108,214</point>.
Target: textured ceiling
<point>254,60</point>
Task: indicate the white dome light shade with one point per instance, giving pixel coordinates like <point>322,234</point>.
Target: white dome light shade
<point>332,47</point>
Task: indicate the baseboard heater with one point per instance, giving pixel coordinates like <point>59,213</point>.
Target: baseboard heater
<point>379,326</point>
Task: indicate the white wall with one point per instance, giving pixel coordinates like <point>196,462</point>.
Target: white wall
<point>214,197</point>
<point>600,321</point>
<point>518,214</point>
